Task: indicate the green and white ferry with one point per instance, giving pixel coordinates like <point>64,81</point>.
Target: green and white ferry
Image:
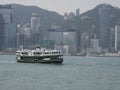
<point>39,55</point>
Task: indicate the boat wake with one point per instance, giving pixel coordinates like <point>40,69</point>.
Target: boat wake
<point>7,62</point>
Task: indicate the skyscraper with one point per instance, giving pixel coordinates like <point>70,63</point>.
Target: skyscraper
<point>2,32</point>
<point>7,27</point>
<point>69,39</point>
<point>65,16</point>
<point>35,26</point>
<point>56,37</point>
<point>35,23</point>
<point>117,38</point>
<point>85,40</point>
<point>63,39</point>
<point>77,12</point>
<point>104,27</point>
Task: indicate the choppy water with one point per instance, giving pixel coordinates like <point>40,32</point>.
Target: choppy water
<point>76,73</point>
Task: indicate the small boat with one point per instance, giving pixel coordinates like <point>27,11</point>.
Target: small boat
<point>39,55</point>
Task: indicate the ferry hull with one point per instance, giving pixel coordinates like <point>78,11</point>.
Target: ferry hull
<point>34,59</point>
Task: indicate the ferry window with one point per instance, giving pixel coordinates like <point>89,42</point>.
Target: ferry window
<point>46,52</point>
<point>36,52</point>
<point>18,52</point>
<point>24,52</point>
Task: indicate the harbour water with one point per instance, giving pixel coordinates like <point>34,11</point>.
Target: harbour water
<point>76,73</point>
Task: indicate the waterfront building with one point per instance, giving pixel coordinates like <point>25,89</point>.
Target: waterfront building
<point>94,46</point>
<point>54,26</point>
<point>7,28</point>
<point>56,36</point>
<point>63,38</point>
<point>65,16</point>
<point>20,35</point>
<point>27,35</point>
<point>77,12</point>
<point>35,23</point>
<point>104,27</point>
<point>24,36</point>
<point>69,39</point>
<point>112,40</point>
<point>71,16</point>
<point>78,40</point>
<point>27,30</point>
<point>66,50</point>
<point>117,38</point>
<point>35,26</point>
<point>94,43</point>
<point>85,41</point>
<point>2,32</point>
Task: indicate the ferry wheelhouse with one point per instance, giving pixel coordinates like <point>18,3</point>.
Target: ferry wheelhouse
<point>39,55</point>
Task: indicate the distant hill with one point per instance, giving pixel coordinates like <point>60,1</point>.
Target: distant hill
<point>86,24</point>
<point>89,18</point>
<point>23,14</point>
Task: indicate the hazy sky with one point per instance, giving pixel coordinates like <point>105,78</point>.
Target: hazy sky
<point>62,6</point>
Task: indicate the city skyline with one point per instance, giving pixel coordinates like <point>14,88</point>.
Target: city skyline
<point>64,6</point>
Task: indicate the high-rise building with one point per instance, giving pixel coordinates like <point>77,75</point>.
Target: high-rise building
<point>20,35</point>
<point>71,16</point>
<point>63,38</point>
<point>2,32</point>
<point>69,39</point>
<point>94,43</point>
<point>117,38</point>
<point>56,37</point>
<point>77,12</point>
<point>85,41</point>
<point>65,16</point>
<point>112,39</point>
<point>24,37</point>
<point>35,23</point>
<point>104,27</point>
<point>7,27</point>
<point>35,26</point>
